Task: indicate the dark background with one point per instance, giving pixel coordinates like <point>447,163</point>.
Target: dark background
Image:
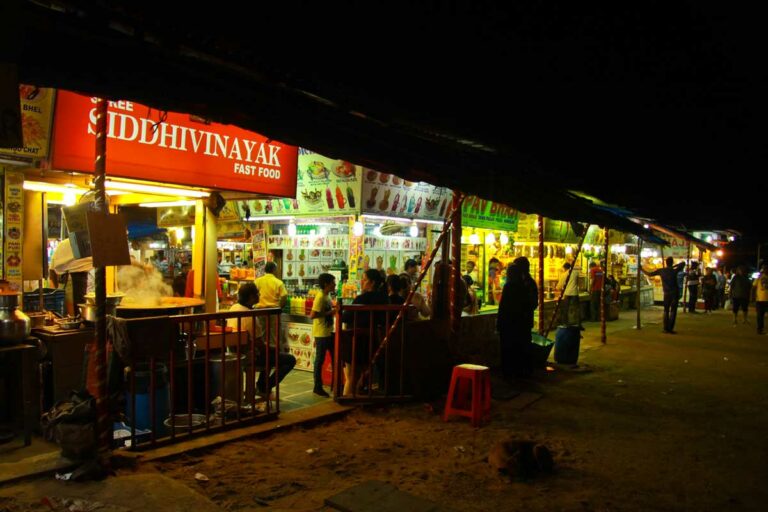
<point>656,106</point>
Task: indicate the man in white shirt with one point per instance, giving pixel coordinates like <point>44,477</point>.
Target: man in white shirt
<point>569,289</point>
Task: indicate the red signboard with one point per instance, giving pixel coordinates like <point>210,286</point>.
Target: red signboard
<point>147,144</point>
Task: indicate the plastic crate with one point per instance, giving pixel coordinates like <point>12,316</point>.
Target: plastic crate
<point>53,300</point>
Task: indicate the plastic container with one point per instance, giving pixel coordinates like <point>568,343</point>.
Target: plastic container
<point>567,342</point>
<point>143,417</point>
<point>53,300</point>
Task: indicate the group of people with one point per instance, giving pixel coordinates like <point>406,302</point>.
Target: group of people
<point>570,313</point>
<point>713,284</point>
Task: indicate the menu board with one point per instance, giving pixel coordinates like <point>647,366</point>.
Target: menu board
<point>36,113</point>
<point>678,248</point>
<point>387,194</point>
<point>301,344</point>
<point>325,187</point>
<point>259,249</point>
<point>14,224</point>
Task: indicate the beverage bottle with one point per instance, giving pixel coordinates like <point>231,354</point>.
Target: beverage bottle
<point>329,198</point>
<point>339,197</point>
<point>394,203</point>
<point>418,206</point>
<point>411,204</point>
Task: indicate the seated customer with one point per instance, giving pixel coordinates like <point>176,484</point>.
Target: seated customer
<point>247,297</point>
<point>394,286</point>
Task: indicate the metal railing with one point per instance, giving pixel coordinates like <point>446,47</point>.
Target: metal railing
<point>201,398</point>
<point>375,363</point>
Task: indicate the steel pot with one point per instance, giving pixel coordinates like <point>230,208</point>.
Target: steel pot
<point>88,311</point>
<point>112,299</point>
<point>38,319</point>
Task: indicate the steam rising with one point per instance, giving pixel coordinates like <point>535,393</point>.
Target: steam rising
<point>142,287</point>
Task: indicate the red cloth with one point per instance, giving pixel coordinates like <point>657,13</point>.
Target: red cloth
<point>596,275</point>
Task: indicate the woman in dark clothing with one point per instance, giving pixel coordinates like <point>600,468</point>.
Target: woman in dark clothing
<point>514,323</point>
<point>394,286</point>
<point>372,285</point>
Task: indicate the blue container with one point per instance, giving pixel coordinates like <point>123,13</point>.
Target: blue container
<point>143,418</point>
<point>567,341</point>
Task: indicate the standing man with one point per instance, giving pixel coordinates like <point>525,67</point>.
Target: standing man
<point>569,289</point>
<point>740,292</point>
<point>272,294</point>
<point>322,316</point>
<point>412,269</point>
<point>671,291</point>
<point>761,297</point>
<point>692,282</point>
<point>720,288</point>
<point>596,276</point>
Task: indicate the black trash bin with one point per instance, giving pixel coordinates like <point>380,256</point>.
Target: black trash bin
<point>567,341</point>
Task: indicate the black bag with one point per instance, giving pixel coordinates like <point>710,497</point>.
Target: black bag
<point>72,425</point>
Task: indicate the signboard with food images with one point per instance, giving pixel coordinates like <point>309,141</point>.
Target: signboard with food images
<point>301,344</point>
<point>324,187</point>
<point>387,194</point>
<point>259,249</point>
<point>481,213</point>
<point>308,256</point>
<point>36,113</point>
<point>13,223</point>
<point>171,147</point>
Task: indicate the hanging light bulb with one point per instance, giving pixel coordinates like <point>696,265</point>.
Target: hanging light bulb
<point>414,230</point>
<point>474,239</point>
<point>490,239</point>
<point>568,249</point>
<point>464,239</point>
<point>291,229</point>
<point>504,239</point>
<point>70,198</point>
<point>179,234</point>
<point>357,228</point>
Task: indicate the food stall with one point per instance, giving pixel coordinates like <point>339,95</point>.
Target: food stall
<point>173,166</point>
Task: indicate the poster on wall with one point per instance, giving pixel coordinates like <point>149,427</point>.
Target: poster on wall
<point>259,249</point>
<point>301,344</point>
<point>36,112</point>
<point>13,223</point>
<point>389,195</point>
<point>481,213</point>
<point>324,187</point>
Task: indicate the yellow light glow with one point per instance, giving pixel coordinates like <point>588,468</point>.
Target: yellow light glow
<point>154,189</point>
<point>719,253</point>
<point>39,186</point>
<point>504,239</point>
<point>163,204</point>
<point>179,234</point>
<point>474,239</point>
<point>490,238</point>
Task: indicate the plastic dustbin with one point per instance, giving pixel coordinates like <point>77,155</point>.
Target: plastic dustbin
<point>567,341</point>
<point>142,418</point>
<point>232,387</point>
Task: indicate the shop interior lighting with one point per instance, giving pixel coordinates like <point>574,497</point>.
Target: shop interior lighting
<point>504,239</point>
<point>490,238</point>
<point>709,239</point>
<point>270,217</point>
<point>732,238</point>
<point>377,230</point>
<point>464,240</point>
<point>39,186</point>
<point>474,239</point>
<point>292,229</point>
<point>386,218</point>
<point>646,226</point>
<point>715,261</point>
<point>568,249</point>
<point>587,247</point>
<point>154,189</point>
<point>164,204</point>
<point>719,253</point>
<point>358,229</point>
<point>413,230</point>
<point>426,221</point>
<point>323,230</point>
<point>179,234</point>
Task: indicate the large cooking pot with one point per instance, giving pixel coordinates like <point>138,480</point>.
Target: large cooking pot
<point>112,299</point>
<point>14,324</point>
<point>88,311</point>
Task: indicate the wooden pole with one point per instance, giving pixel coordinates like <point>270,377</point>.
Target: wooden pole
<point>457,303</point>
<point>541,274</point>
<point>685,284</point>
<point>603,311</point>
<point>567,279</point>
<point>639,277</point>
<point>103,425</point>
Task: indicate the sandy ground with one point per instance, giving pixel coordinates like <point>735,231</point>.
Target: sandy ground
<point>649,422</point>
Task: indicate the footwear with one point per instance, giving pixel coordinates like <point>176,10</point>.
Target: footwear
<point>321,392</point>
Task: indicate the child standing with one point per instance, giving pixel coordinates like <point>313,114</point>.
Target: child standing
<point>322,327</point>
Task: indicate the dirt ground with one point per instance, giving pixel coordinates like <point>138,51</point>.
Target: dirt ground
<point>648,422</point>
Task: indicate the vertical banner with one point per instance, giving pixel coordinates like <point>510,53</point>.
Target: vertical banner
<point>36,111</point>
<point>14,208</point>
<point>259,248</point>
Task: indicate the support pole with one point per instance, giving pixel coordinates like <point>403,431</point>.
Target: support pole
<point>103,425</point>
<point>541,274</point>
<point>456,302</point>
<point>603,309</point>
<point>639,276</point>
<point>567,279</point>
<point>685,284</point>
